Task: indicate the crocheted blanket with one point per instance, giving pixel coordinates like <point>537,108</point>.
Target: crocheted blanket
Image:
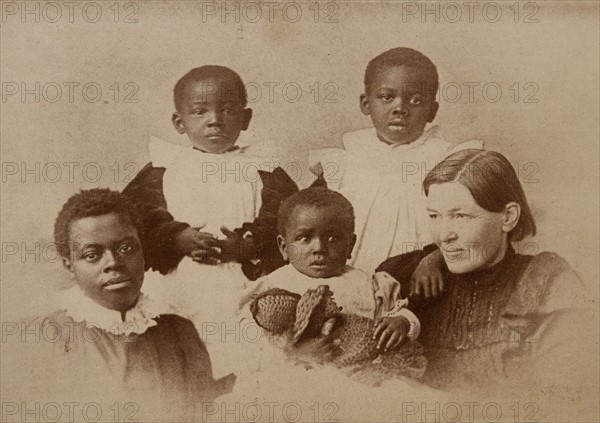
<point>281,312</point>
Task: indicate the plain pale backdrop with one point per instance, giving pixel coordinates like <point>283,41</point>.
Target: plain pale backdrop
<point>553,142</point>
<point>549,129</point>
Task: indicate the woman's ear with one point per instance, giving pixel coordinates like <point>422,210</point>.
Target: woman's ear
<point>281,244</point>
<point>512,213</point>
<point>178,123</point>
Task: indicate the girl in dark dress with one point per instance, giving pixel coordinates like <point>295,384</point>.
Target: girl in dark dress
<point>108,344</point>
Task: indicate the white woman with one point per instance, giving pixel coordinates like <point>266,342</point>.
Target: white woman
<point>502,321</point>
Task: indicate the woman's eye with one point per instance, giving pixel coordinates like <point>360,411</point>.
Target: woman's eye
<point>433,216</point>
<point>460,216</point>
<point>332,238</point>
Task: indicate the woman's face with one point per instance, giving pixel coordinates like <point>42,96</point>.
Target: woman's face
<point>469,236</point>
<point>107,260</point>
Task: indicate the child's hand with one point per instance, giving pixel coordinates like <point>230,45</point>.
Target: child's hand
<point>391,331</point>
<point>200,246</point>
<point>427,278</point>
<point>235,247</point>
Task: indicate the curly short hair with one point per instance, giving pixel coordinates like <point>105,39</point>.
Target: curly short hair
<point>316,197</point>
<point>89,203</point>
<point>207,72</point>
<point>402,56</point>
<point>491,180</point>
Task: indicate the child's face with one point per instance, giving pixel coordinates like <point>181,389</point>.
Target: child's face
<point>106,260</point>
<point>315,242</point>
<point>400,103</point>
<point>212,115</point>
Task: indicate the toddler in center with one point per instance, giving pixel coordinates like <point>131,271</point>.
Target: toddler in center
<point>316,237</point>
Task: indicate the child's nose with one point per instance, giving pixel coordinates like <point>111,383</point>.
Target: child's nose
<point>401,107</point>
<point>318,245</point>
<point>216,119</point>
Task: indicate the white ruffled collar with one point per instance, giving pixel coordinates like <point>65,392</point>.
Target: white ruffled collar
<point>363,140</point>
<point>167,154</point>
<point>83,309</point>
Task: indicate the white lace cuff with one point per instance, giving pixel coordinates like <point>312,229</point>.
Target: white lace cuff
<point>401,310</point>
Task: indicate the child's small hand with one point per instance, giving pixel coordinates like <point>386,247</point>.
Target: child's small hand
<point>235,247</point>
<point>201,246</point>
<point>391,331</point>
<point>427,279</point>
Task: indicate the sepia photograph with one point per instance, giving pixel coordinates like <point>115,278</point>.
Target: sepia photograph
<point>300,211</point>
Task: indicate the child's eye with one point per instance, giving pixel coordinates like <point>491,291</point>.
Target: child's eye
<point>198,112</point>
<point>416,100</point>
<point>127,249</point>
<point>302,238</point>
<point>460,216</point>
<point>433,216</point>
<point>332,238</point>
<point>386,97</point>
<point>91,256</point>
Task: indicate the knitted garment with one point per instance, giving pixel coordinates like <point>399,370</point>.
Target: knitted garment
<point>273,310</point>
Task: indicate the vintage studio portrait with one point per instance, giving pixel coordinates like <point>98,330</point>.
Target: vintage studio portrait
<point>299,211</point>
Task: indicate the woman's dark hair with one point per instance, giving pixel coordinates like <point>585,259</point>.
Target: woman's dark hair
<point>89,203</point>
<point>492,181</point>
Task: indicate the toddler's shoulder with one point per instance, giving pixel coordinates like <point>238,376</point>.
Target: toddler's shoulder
<point>282,274</point>
<point>357,274</point>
